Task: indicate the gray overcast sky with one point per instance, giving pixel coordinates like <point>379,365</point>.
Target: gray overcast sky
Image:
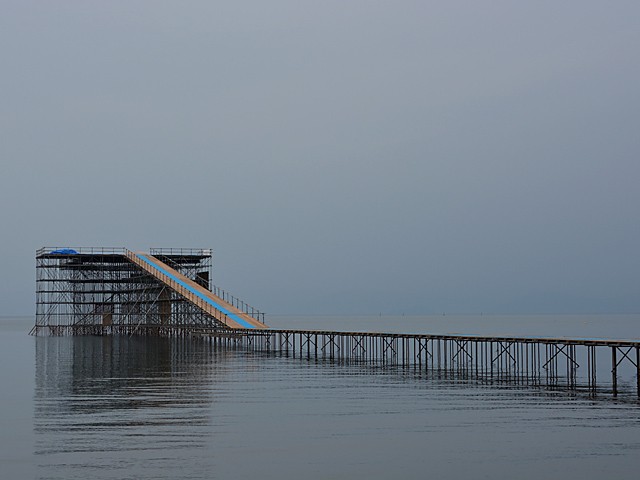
<point>339,156</point>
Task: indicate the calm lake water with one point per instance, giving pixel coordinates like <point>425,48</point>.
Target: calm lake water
<point>138,408</point>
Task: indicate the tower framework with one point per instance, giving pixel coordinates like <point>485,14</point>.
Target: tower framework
<point>96,290</point>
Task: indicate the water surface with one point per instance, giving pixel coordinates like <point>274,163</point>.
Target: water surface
<point>144,408</point>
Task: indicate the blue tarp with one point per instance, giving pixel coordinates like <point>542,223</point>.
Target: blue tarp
<point>65,251</point>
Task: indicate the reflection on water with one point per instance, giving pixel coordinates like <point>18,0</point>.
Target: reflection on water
<point>128,372</point>
<point>102,395</point>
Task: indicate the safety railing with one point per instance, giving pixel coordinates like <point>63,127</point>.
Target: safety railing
<point>187,252</point>
<point>167,280</point>
<point>239,304</point>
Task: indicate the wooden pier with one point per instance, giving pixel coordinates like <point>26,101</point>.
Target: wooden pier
<point>591,365</point>
<point>595,366</point>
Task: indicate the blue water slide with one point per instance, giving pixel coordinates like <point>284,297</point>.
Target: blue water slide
<point>231,315</point>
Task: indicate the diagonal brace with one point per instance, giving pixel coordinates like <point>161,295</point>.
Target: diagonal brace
<point>462,348</point>
<point>626,355</point>
<point>505,348</point>
<point>560,350</point>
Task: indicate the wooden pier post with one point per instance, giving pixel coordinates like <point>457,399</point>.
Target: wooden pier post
<point>614,373</point>
<point>638,369</point>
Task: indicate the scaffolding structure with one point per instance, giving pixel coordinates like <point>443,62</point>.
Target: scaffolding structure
<point>100,291</point>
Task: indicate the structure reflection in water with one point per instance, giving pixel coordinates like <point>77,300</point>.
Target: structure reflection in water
<point>104,395</point>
